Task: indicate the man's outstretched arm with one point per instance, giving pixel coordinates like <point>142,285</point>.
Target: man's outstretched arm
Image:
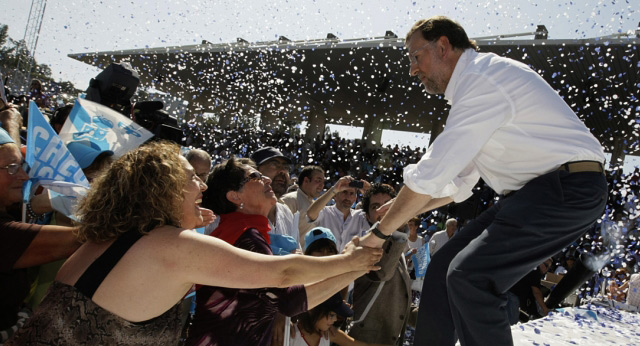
<point>405,206</point>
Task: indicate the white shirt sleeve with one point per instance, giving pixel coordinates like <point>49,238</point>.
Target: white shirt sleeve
<point>447,169</point>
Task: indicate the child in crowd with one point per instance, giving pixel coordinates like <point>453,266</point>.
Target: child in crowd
<point>315,327</point>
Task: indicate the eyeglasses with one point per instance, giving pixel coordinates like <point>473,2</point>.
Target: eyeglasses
<point>413,58</point>
<point>14,167</point>
<point>254,176</point>
<point>279,166</point>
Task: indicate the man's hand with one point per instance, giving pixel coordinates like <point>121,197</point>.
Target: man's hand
<point>362,258</point>
<point>342,184</point>
<point>207,217</point>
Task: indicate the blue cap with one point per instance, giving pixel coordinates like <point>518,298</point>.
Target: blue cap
<point>85,152</point>
<point>4,137</point>
<point>317,233</point>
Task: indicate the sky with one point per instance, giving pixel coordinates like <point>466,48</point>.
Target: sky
<point>92,25</point>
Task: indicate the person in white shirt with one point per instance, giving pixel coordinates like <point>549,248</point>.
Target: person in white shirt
<point>311,182</point>
<point>509,127</point>
<point>440,238</point>
<point>341,218</point>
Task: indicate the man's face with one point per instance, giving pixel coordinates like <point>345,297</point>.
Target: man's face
<point>426,64</point>
<point>452,226</point>
<point>346,198</point>
<point>544,267</point>
<point>314,184</point>
<point>202,168</point>
<point>376,201</point>
<point>277,169</point>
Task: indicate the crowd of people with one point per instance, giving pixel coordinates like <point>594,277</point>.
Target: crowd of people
<point>324,239</point>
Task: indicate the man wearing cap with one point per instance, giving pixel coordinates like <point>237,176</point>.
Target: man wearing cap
<point>507,126</point>
<point>272,163</point>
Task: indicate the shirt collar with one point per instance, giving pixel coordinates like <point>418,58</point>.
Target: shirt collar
<point>467,56</point>
<point>300,192</point>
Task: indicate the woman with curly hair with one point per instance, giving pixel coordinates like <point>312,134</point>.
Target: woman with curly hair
<point>140,257</point>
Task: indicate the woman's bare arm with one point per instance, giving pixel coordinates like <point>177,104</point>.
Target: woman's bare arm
<point>210,261</point>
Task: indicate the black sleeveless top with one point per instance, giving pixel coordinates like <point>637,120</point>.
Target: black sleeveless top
<point>68,316</point>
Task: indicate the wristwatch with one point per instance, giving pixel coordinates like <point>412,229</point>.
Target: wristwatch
<point>374,229</point>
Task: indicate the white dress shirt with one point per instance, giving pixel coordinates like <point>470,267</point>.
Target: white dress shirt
<point>332,218</point>
<point>506,125</point>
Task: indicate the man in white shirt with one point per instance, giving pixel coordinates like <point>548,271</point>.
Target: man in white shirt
<point>339,218</point>
<point>311,182</point>
<point>440,238</point>
<point>508,126</point>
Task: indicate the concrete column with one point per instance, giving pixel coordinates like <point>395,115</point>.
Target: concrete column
<point>618,152</point>
<point>270,120</point>
<point>316,124</point>
<point>372,132</point>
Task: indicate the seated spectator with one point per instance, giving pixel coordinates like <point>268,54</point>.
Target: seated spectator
<point>619,285</point>
<point>526,300</point>
<point>243,197</point>
<point>140,257</point>
<point>22,245</point>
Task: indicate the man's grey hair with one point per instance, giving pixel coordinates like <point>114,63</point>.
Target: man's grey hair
<point>450,221</point>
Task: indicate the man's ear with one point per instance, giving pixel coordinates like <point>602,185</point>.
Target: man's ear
<point>443,46</point>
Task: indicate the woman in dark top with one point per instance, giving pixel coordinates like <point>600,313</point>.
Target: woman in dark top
<point>242,197</point>
<point>140,257</point>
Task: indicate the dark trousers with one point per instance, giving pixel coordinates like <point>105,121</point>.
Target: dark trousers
<point>464,292</point>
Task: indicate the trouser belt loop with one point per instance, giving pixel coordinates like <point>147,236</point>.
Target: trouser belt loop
<point>582,166</point>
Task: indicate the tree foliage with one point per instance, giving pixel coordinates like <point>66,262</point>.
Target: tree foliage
<point>14,57</point>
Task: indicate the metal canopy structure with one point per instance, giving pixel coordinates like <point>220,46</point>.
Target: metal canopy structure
<point>365,82</point>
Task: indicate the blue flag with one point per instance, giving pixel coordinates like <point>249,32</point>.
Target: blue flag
<point>47,156</point>
<point>421,260</point>
<point>104,127</point>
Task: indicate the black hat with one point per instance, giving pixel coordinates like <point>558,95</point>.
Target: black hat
<point>337,305</point>
<point>261,155</point>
